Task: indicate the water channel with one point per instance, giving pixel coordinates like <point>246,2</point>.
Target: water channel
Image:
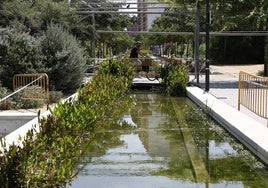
<point>170,143</point>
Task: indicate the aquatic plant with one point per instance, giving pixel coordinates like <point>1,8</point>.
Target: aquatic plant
<point>175,79</point>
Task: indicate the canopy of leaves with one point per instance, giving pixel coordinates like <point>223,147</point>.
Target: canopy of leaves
<point>34,16</point>
<point>103,21</point>
<point>226,15</point>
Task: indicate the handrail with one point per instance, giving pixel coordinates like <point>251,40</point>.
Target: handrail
<point>253,93</point>
<point>37,80</point>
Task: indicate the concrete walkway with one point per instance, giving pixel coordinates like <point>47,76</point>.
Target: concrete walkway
<point>221,103</point>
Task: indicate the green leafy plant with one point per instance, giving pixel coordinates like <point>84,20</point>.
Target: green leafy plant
<point>175,79</point>
<point>20,53</point>
<point>6,104</point>
<point>30,97</point>
<point>55,96</point>
<point>117,68</point>
<point>266,58</point>
<point>49,156</point>
<point>65,58</point>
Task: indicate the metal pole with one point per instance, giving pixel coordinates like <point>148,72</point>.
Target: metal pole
<point>207,46</point>
<point>196,46</point>
<point>94,42</point>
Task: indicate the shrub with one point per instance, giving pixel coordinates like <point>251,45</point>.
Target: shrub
<point>55,96</point>
<point>49,157</point>
<point>65,59</point>
<point>30,97</point>
<point>266,58</point>
<point>19,53</point>
<point>175,79</point>
<point>122,68</point>
<point>6,104</point>
<point>23,99</point>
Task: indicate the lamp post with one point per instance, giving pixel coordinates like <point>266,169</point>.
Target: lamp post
<point>207,46</point>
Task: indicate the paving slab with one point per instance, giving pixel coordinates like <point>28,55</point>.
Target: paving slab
<point>247,130</point>
<point>221,102</point>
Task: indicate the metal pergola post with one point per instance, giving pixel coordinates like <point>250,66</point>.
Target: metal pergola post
<point>94,42</point>
<point>196,46</point>
<point>207,46</point>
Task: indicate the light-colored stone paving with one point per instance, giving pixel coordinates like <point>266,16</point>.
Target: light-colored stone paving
<point>224,85</point>
<point>221,102</point>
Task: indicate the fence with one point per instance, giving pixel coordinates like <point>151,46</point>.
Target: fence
<point>253,93</point>
<point>34,86</point>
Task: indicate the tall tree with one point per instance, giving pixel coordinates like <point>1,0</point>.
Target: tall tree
<point>234,15</point>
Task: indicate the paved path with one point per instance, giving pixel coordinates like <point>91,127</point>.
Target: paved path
<point>224,85</point>
<point>221,103</point>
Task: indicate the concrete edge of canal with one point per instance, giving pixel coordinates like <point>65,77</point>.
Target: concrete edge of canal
<point>248,131</point>
<point>17,136</point>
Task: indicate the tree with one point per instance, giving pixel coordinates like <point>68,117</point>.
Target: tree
<point>266,58</point>
<point>65,58</point>
<point>238,16</point>
<point>181,22</point>
<point>232,15</point>
<point>103,21</point>
<point>34,16</point>
<point>19,53</point>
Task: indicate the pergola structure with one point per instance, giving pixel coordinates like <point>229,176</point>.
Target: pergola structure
<point>144,9</point>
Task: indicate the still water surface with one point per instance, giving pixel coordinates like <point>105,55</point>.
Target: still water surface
<point>170,143</point>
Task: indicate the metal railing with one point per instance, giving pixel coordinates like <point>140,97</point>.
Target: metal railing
<point>253,93</point>
<point>33,86</point>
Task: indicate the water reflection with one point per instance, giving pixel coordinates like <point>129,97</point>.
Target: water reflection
<point>160,151</point>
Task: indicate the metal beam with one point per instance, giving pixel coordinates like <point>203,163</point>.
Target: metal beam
<point>239,34</point>
<point>132,12</point>
<point>120,8</point>
<point>131,3</point>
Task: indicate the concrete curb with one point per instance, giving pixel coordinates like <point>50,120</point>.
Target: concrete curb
<point>11,121</point>
<point>247,130</point>
<point>17,136</point>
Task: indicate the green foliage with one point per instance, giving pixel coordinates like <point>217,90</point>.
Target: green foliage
<point>227,15</point>
<point>266,57</point>
<point>18,14</point>
<point>19,53</point>
<point>49,156</point>
<point>117,68</point>
<point>6,104</point>
<point>55,96</point>
<point>35,16</point>
<point>21,100</point>
<point>238,16</point>
<point>175,79</point>
<point>118,42</point>
<point>10,167</point>
<point>65,58</point>
<point>237,50</point>
<point>21,103</point>
<point>54,11</point>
